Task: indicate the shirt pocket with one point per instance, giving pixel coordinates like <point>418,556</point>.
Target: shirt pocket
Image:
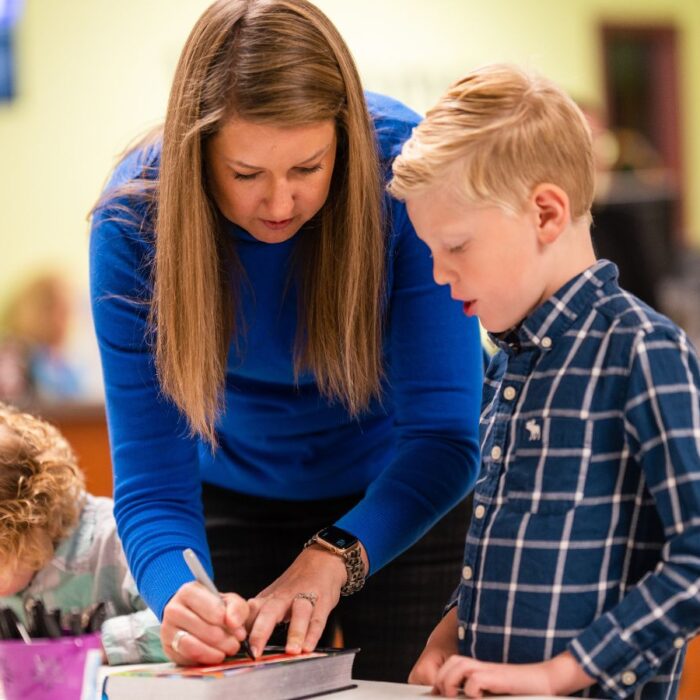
<point>547,465</point>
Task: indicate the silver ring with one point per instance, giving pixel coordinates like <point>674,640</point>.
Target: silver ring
<point>311,597</point>
<point>175,644</point>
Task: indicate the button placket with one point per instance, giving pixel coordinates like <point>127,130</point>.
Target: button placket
<point>502,411</point>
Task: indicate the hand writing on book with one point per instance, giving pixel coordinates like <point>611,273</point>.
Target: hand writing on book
<point>314,573</point>
<point>213,631</point>
<point>561,675</point>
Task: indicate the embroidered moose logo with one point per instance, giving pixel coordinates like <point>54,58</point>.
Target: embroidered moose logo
<point>534,429</point>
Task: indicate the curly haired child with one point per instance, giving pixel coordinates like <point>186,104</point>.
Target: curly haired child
<point>59,544</point>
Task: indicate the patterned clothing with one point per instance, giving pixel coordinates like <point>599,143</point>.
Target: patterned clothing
<point>586,527</point>
<point>89,566</point>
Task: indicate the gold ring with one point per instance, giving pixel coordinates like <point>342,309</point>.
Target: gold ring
<point>175,644</point>
<point>311,597</point>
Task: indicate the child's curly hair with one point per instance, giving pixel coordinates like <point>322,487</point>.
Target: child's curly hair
<point>42,489</point>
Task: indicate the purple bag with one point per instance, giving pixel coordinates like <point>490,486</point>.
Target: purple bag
<point>51,669</point>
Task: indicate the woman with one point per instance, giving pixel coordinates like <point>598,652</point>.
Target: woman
<point>276,357</point>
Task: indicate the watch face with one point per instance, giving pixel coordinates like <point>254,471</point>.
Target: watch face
<point>341,539</point>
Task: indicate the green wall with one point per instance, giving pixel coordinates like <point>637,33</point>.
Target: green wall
<point>95,73</point>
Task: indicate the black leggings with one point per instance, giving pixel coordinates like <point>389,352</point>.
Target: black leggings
<point>253,540</point>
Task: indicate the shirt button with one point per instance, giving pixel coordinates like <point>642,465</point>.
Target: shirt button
<point>479,512</point>
<point>509,393</point>
<point>629,678</point>
<point>679,642</point>
<point>460,632</point>
<point>495,452</point>
<point>467,573</point>
<point>546,342</point>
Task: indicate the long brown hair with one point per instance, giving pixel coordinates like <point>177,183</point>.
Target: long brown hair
<point>278,62</point>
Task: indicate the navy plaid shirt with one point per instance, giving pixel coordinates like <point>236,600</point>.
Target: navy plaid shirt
<point>586,527</point>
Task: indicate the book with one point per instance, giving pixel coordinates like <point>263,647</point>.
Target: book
<point>273,676</point>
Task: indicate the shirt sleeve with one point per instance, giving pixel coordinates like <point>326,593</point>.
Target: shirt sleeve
<point>135,637</point>
<point>623,648</point>
<point>434,367</point>
<point>132,639</point>
<point>151,446</point>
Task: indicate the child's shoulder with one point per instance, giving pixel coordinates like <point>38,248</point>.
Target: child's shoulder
<point>95,524</point>
<point>631,321</point>
<point>99,507</point>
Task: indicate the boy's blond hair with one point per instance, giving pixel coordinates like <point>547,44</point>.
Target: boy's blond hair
<point>495,135</point>
<point>42,489</point>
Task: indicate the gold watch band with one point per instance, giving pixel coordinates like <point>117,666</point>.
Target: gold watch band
<point>354,566</point>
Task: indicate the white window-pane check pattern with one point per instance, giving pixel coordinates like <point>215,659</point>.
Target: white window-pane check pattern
<point>589,496</point>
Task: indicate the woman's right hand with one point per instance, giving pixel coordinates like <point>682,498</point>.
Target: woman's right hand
<point>441,645</point>
<point>202,628</point>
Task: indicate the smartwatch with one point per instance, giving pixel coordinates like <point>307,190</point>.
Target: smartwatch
<point>346,546</point>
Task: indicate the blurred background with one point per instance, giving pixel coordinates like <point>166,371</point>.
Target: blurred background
<point>80,79</point>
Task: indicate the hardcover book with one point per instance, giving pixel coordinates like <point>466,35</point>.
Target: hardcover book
<point>274,676</point>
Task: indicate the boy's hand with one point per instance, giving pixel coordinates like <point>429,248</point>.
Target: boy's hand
<point>441,645</point>
<point>561,675</point>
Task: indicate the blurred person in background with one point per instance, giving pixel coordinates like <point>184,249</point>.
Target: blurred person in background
<point>34,327</point>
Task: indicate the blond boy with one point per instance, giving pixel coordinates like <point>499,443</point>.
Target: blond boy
<point>582,561</point>
<point>59,544</point>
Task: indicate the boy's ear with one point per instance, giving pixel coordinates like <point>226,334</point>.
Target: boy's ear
<point>552,211</point>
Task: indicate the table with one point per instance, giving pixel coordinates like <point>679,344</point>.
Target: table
<point>374,690</point>
<point>366,690</point>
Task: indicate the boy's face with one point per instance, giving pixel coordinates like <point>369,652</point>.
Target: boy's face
<point>491,259</point>
<point>14,579</point>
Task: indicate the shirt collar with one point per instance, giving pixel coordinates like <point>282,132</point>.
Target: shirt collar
<point>551,320</point>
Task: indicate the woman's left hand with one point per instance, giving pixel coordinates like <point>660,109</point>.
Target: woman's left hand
<point>303,595</point>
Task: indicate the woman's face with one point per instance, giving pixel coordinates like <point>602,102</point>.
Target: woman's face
<point>270,180</point>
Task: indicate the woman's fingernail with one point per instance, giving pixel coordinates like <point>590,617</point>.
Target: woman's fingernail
<point>293,648</point>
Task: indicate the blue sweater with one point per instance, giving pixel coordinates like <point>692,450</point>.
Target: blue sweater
<point>413,457</point>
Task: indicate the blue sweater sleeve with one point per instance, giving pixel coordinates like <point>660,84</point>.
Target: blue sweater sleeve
<point>156,477</point>
<point>435,374</point>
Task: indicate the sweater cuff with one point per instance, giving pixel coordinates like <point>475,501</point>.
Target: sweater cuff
<point>604,653</point>
<point>163,576</point>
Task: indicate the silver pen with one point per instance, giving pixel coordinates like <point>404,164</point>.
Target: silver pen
<point>198,571</point>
